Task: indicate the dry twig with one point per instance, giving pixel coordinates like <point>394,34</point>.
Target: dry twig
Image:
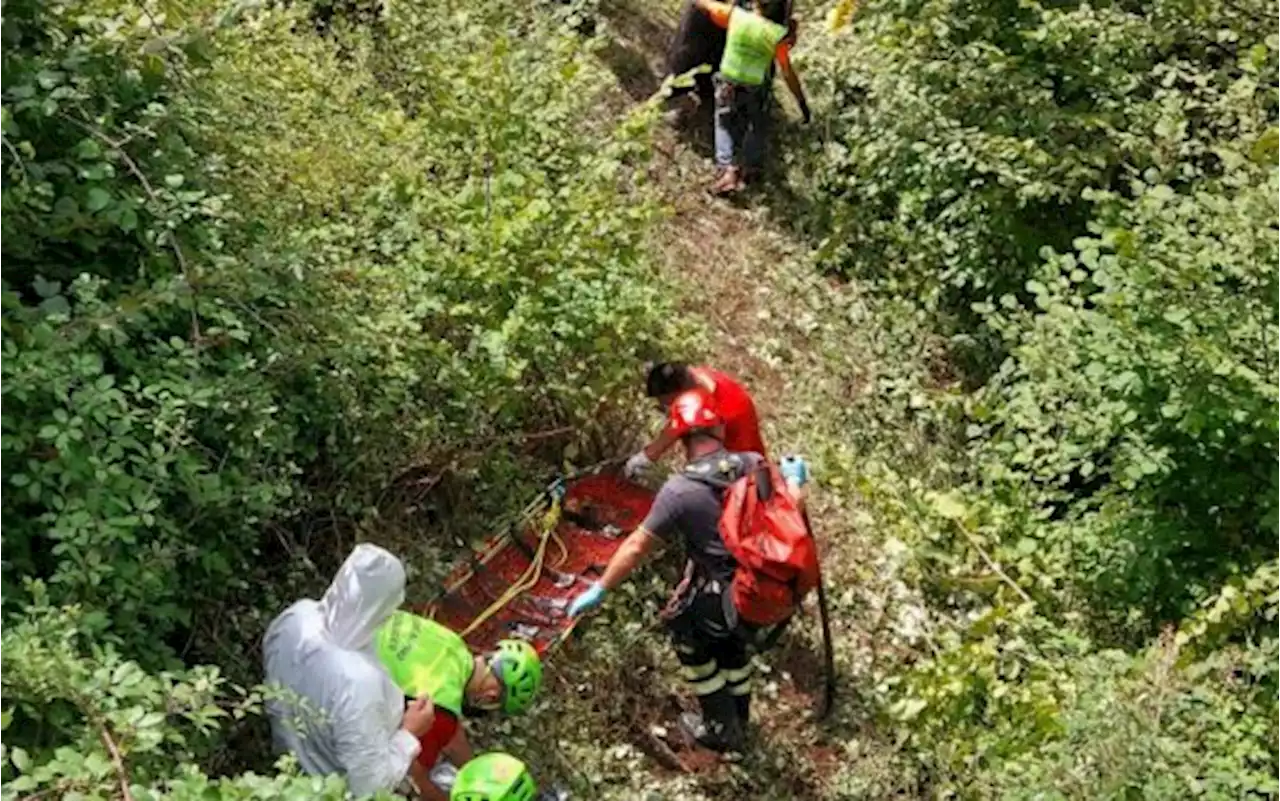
<point>118,762</point>
<point>171,237</point>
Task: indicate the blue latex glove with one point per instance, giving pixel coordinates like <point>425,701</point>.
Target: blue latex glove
<point>589,599</point>
<point>795,470</point>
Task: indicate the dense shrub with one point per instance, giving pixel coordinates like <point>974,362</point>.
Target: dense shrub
<point>251,273</point>
<point>964,135</point>
<point>1080,202</point>
<point>234,257</point>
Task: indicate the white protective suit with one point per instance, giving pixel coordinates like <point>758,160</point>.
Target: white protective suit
<point>323,652</point>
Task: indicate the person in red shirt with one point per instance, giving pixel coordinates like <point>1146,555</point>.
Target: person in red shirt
<point>741,425</point>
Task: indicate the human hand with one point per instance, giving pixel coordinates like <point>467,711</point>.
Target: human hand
<point>795,471</point>
<point>589,599</point>
<point>636,465</point>
<point>419,716</point>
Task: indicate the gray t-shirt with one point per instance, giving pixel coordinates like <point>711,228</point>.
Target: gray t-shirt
<point>687,509</point>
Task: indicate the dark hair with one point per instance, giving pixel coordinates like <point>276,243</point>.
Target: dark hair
<point>668,378</point>
<point>775,10</point>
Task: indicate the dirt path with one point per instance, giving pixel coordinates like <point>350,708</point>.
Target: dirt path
<point>807,347</point>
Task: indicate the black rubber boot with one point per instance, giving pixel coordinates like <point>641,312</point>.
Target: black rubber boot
<point>718,727</point>
<point>743,703</point>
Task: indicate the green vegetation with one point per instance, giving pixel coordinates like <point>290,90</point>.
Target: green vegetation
<point>251,274</point>
<point>269,271</point>
<point>1078,204</point>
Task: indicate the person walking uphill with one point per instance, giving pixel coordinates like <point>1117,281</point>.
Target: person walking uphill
<point>342,713</point>
<point>426,658</point>
<point>742,85</point>
<point>733,403</point>
<point>708,641</point>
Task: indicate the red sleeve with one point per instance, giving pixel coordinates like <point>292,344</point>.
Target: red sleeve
<point>437,737</point>
<point>719,12</point>
<point>742,426</point>
<point>783,55</point>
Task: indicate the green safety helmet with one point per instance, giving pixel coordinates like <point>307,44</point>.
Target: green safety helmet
<point>517,666</point>
<point>493,777</point>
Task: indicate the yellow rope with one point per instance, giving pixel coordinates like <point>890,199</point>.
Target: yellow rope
<point>532,573</point>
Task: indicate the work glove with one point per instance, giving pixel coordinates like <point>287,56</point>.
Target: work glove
<point>636,465</point>
<point>795,471</point>
<point>589,599</point>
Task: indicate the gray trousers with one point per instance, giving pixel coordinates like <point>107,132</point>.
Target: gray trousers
<point>742,122</point>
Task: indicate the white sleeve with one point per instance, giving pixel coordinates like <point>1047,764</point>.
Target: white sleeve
<point>374,751</point>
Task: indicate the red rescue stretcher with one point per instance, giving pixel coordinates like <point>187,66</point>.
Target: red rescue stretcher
<point>519,583</point>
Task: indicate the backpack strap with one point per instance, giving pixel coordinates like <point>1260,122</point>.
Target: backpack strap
<point>717,470</point>
<point>764,481</point>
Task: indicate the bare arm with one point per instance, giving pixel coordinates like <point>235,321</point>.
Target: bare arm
<point>719,12</point>
<point>660,445</point>
<point>633,550</point>
<point>458,749</point>
<point>421,776</point>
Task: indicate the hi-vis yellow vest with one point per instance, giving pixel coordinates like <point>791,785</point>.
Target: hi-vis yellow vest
<point>423,656</point>
<point>750,46</point>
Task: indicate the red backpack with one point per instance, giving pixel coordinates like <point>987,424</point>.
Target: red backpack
<point>766,534</point>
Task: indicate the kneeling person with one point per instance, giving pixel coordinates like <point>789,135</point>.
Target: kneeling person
<point>426,658</point>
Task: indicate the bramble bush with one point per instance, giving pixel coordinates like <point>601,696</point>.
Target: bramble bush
<point>252,273</point>
<point>1074,206</point>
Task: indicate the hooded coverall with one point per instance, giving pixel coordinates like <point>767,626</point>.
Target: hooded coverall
<point>322,652</point>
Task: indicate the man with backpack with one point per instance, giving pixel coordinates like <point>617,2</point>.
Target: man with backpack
<point>753,43</point>
<point>751,559</point>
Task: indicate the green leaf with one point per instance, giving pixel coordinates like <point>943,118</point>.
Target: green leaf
<point>128,219</point>
<point>98,199</point>
<point>45,289</point>
<point>949,505</point>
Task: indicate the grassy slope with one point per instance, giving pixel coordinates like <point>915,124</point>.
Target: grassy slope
<point>809,350</point>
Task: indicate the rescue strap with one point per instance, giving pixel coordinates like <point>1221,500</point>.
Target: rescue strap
<point>533,573</point>
<point>550,522</point>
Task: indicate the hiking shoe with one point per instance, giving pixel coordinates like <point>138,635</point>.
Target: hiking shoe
<point>693,726</point>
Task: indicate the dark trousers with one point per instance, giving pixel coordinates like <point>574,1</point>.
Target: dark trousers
<point>713,656</point>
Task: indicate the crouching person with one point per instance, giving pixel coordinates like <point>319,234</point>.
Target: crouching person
<point>340,711</point>
<point>708,639</point>
<point>429,660</point>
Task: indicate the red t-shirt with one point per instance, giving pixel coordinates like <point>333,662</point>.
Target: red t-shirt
<point>741,426</point>
<point>437,737</point>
